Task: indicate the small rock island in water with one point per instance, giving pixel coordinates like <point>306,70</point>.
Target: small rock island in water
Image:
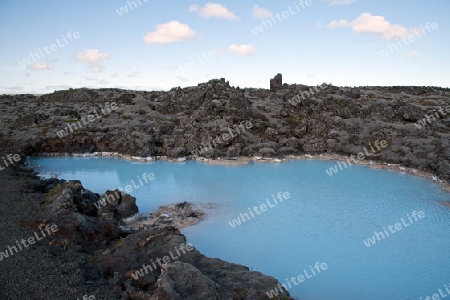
<point>178,215</point>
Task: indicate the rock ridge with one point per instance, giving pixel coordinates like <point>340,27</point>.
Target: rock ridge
<point>328,120</point>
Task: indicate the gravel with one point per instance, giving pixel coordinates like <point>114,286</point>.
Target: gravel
<point>39,271</point>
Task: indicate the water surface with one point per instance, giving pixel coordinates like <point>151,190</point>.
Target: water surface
<point>326,219</point>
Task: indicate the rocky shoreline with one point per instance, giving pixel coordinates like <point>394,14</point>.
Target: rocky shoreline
<point>128,262</point>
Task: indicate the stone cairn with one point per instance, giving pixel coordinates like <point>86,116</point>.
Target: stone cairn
<point>276,83</point>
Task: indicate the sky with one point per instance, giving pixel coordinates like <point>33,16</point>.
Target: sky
<point>150,45</point>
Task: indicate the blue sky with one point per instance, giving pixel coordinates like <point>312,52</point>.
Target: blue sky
<point>342,42</point>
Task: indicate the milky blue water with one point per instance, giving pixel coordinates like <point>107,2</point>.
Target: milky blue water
<point>326,219</point>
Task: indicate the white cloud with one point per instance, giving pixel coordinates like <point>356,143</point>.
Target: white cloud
<point>92,57</point>
<point>182,79</point>
<point>413,54</point>
<point>89,78</point>
<point>245,50</point>
<point>260,13</point>
<point>11,88</point>
<point>213,10</point>
<point>193,8</point>
<point>170,32</point>
<point>337,24</point>
<point>57,87</point>
<point>134,74</point>
<point>68,74</point>
<point>341,2</point>
<point>115,75</point>
<point>96,80</point>
<point>41,66</point>
<point>368,23</point>
<point>139,88</point>
<point>27,74</point>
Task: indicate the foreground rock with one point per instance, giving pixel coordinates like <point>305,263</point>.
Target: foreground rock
<point>136,265</point>
<point>72,208</point>
<point>155,263</point>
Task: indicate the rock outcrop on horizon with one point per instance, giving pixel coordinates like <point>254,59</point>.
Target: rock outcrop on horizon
<point>325,119</point>
<point>276,83</point>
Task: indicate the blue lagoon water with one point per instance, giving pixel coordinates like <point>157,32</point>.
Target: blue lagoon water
<point>325,220</point>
